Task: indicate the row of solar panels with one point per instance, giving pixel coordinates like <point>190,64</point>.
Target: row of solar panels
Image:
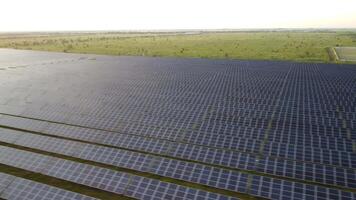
<point>196,97</point>
<point>208,125</point>
<point>175,109</point>
<point>144,162</point>
<point>188,150</point>
<point>56,114</point>
<point>239,141</point>
<point>15,188</point>
<point>100,178</point>
<point>139,187</point>
<point>228,102</point>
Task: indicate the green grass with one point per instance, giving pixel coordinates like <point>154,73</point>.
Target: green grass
<point>295,46</point>
<point>346,53</point>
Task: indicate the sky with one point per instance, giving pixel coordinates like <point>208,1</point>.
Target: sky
<point>85,15</point>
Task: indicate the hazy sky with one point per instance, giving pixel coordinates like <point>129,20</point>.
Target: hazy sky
<point>37,15</point>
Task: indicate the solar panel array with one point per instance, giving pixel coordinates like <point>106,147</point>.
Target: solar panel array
<point>12,187</point>
<point>159,128</point>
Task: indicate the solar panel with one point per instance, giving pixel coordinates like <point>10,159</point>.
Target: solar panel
<point>23,159</point>
<point>22,189</point>
<point>88,175</point>
<point>281,189</point>
<point>205,175</point>
<point>48,144</point>
<point>9,136</point>
<point>143,188</point>
<point>5,180</point>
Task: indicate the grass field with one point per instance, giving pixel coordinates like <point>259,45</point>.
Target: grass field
<point>295,46</point>
<point>346,53</point>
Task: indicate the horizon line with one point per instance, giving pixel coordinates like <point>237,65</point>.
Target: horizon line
<point>174,30</point>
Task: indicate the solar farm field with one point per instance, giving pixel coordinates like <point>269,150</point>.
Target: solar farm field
<point>81,126</point>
